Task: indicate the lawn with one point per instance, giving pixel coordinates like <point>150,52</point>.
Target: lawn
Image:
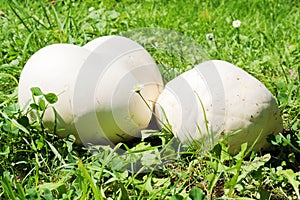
<point>37,164</point>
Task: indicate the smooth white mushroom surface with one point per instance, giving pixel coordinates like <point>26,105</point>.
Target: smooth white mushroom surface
<point>217,99</point>
<point>106,89</point>
<point>53,69</point>
<point>124,86</point>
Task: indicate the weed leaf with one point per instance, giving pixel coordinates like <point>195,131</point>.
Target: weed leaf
<point>291,176</point>
<point>196,194</point>
<point>36,91</point>
<point>51,98</point>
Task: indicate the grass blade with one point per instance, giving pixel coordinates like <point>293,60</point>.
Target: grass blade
<point>97,195</point>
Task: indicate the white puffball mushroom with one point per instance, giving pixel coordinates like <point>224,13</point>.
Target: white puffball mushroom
<point>217,99</point>
<point>127,86</point>
<point>53,69</point>
<point>96,86</point>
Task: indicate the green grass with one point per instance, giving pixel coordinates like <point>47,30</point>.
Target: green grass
<point>36,164</point>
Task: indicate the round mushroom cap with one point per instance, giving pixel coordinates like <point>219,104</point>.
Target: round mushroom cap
<point>53,69</point>
<point>106,89</point>
<point>215,100</point>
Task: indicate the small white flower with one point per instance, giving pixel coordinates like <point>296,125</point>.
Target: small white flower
<point>293,73</point>
<point>138,88</point>
<point>236,23</point>
<point>91,9</point>
<point>210,37</point>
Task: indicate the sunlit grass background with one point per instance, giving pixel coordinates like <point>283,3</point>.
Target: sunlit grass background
<point>36,164</point>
